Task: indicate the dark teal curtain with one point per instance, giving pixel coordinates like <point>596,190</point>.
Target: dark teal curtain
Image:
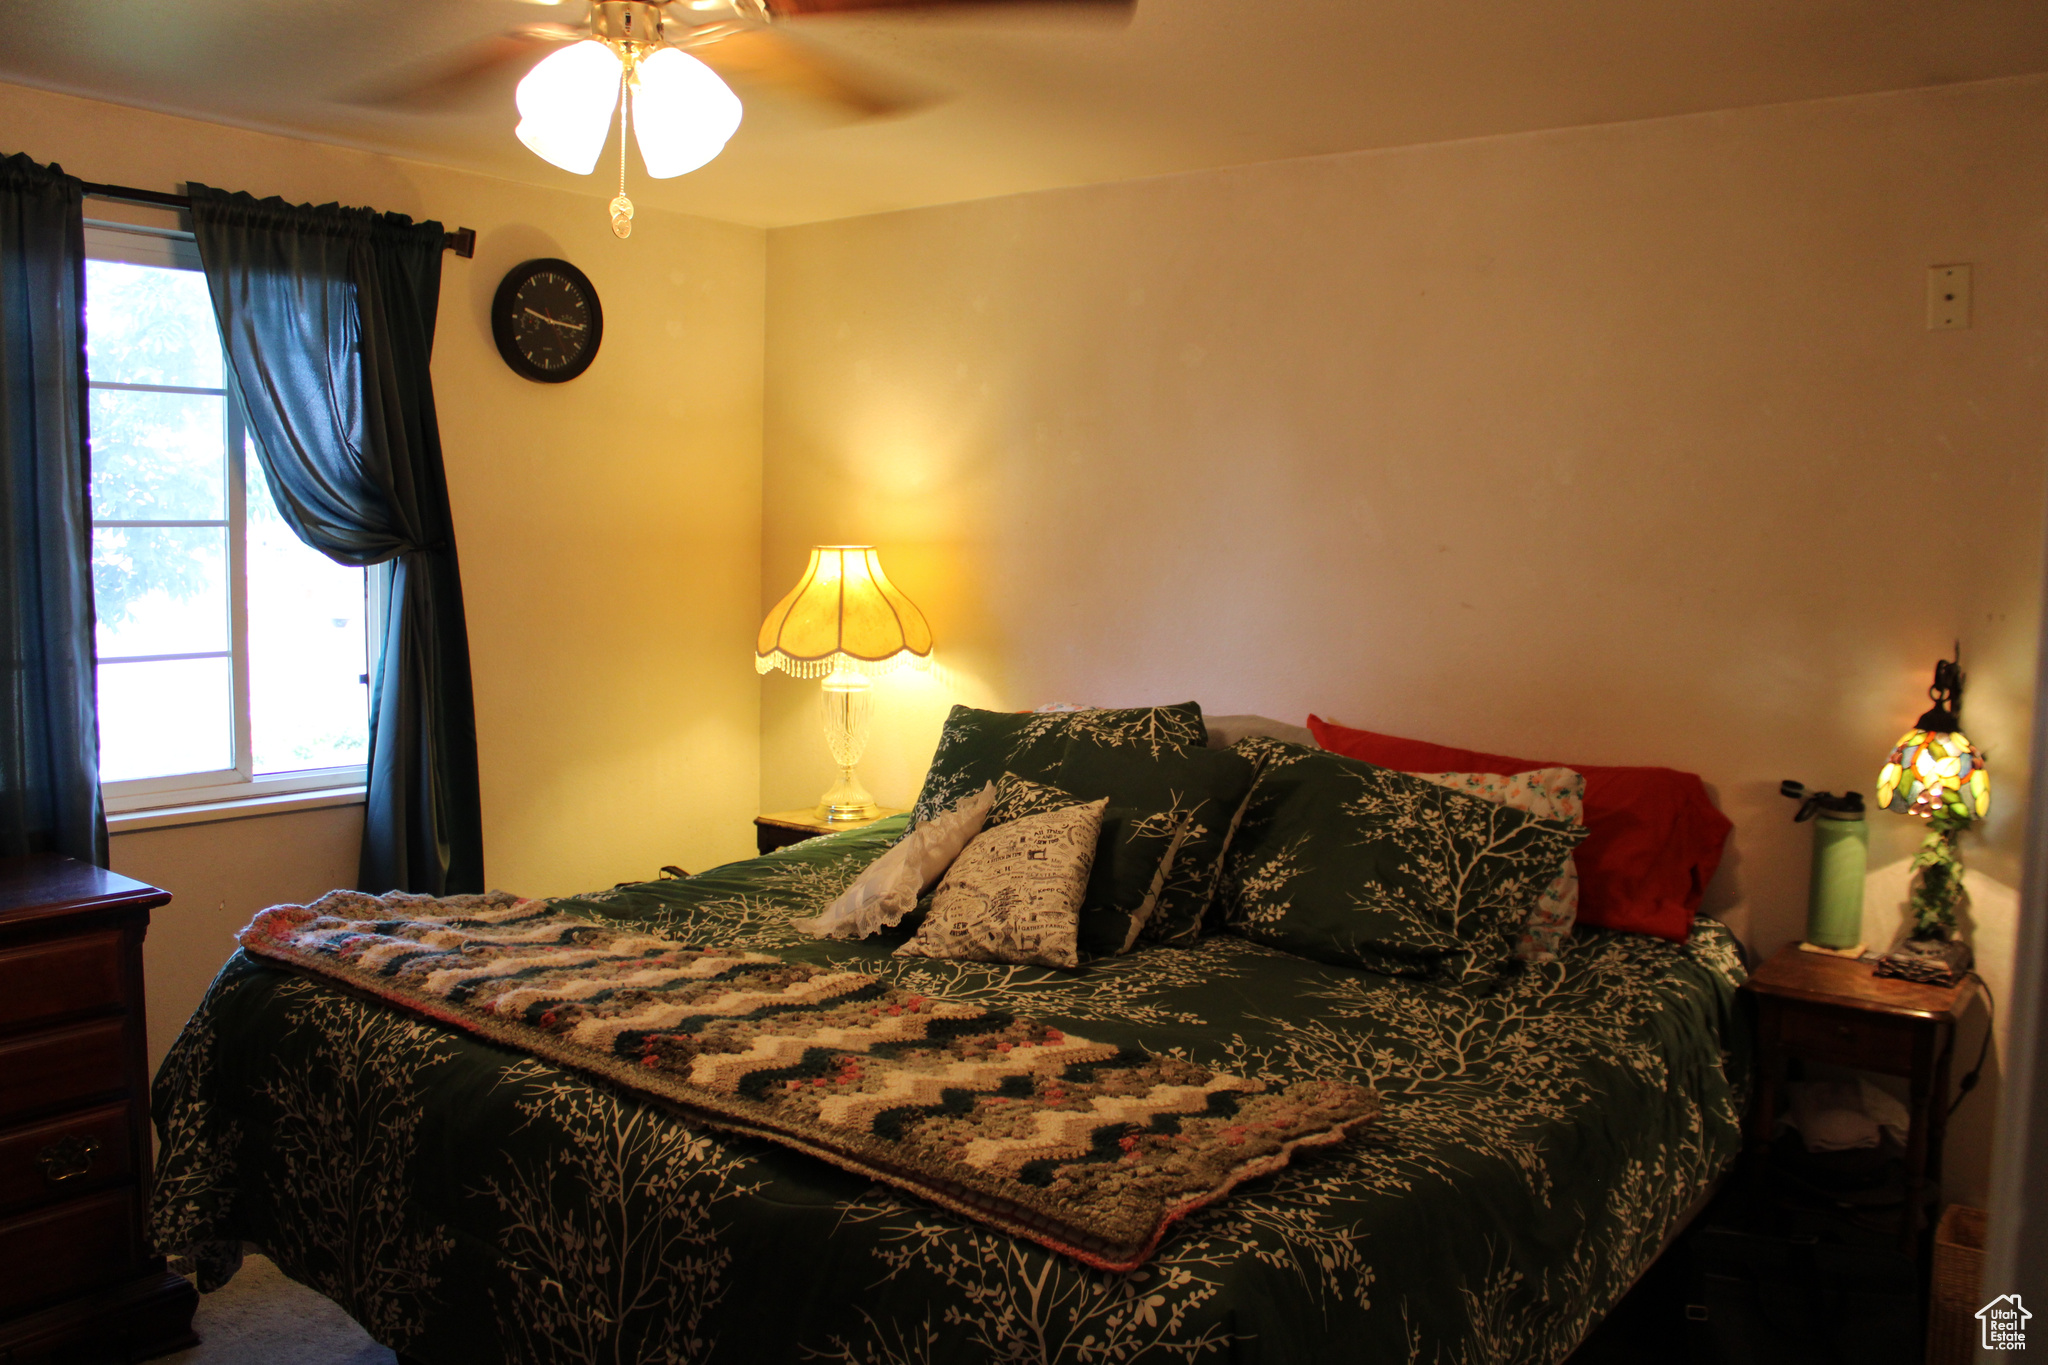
<point>327,315</point>
<point>50,748</point>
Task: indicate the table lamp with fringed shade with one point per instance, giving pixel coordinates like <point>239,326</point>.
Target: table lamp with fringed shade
<point>845,622</point>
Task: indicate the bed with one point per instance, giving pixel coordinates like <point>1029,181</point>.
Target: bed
<point>1540,1138</point>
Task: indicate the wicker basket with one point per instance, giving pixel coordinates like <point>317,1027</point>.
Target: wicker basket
<point>1958,1281</point>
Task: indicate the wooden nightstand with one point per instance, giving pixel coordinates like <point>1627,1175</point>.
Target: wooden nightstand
<point>1835,1010</point>
<point>786,827</point>
<point>80,1279</point>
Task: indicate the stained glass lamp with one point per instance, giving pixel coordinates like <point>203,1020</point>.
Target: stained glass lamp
<point>1934,769</point>
<point>845,622</point>
<point>1934,772</point>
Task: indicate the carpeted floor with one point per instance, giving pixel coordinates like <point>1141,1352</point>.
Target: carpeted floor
<point>262,1318</point>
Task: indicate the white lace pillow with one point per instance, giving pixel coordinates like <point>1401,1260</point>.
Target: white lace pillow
<point>888,890</point>
<point>1547,794</point>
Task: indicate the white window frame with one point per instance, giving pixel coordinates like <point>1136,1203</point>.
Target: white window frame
<point>178,250</point>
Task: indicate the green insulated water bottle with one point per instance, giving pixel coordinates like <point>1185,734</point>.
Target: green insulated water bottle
<point>1841,855</point>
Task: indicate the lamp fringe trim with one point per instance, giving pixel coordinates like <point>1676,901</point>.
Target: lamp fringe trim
<point>833,663</point>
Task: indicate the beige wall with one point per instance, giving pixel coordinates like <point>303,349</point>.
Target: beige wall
<point>220,875</point>
<point>609,532</point>
<point>1623,444</point>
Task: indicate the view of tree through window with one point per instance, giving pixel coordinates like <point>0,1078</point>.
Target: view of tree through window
<point>228,648</point>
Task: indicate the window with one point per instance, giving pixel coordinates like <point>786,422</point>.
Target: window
<point>233,657</point>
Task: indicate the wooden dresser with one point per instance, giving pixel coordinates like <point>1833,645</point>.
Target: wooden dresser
<point>78,1281</point>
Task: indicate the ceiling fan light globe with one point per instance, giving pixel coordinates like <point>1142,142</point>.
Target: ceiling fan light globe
<point>683,114</point>
<point>566,103</point>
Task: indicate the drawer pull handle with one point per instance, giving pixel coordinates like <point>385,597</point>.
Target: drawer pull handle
<point>68,1159</point>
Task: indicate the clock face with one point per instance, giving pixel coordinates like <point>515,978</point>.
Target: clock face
<point>547,321</point>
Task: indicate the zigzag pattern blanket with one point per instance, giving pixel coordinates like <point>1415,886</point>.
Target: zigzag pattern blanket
<point>1086,1148</point>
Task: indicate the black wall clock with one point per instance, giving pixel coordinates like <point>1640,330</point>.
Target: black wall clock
<point>547,320</point>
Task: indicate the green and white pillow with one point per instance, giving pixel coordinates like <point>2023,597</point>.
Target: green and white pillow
<point>1016,797</point>
<point>980,746</point>
<point>1548,794</point>
<point>1170,809</point>
<point>1345,862</point>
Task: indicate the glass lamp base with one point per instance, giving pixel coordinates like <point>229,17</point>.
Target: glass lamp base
<point>847,706</point>
<point>847,800</point>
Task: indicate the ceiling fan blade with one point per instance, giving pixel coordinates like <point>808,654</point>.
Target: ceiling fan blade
<point>454,76</point>
<point>786,9</point>
<point>763,58</point>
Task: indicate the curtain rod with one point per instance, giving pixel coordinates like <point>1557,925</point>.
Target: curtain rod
<point>462,241</point>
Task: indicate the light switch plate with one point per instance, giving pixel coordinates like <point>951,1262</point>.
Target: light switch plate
<point>1948,297</point>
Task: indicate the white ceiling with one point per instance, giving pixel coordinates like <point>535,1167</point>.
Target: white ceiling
<point>1040,100</point>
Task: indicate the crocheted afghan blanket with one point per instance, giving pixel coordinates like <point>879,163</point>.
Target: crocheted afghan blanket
<point>1089,1149</point>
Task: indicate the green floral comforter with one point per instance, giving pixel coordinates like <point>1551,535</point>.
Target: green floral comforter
<point>467,1204</point>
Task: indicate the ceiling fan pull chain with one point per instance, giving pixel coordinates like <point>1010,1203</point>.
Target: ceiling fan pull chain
<point>622,207</point>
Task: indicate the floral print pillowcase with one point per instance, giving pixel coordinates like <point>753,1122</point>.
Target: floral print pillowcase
<point>1548,794</point>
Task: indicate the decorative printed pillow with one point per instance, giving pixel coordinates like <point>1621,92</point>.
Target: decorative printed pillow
<point>888,890</point>
<point>1124,885</point>
<point>980,746</point>
<point>1547,794</point>
<point>1014,894</point>
<point>1344,862</point>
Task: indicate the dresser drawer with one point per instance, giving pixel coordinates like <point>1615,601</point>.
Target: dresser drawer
<point>61,1067</point>
<point>66,1157</point>
<point>45,981</point>
<point>58,1251</point>
<point>1854,1038</point>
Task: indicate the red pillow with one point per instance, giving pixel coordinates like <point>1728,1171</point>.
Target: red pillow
<point>1653,839</point>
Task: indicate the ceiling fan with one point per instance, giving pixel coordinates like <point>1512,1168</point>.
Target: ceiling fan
<point>659,65</point>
